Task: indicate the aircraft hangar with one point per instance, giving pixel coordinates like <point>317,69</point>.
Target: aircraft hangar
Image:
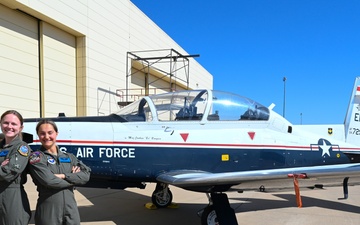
<point>87,57</point>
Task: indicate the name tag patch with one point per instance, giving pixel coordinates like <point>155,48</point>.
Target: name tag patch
<point>4,153</point>
<point>64,160</point>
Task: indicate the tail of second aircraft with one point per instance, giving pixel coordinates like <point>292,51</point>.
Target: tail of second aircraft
<point>352,119</point>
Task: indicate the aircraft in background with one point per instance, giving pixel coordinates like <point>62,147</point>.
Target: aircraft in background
<point>208,141</point>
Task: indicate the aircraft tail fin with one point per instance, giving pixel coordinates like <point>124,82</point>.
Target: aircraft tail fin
<point>352,119</point>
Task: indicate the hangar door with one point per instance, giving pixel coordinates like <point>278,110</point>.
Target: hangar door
<point>59,69</point>
<point>37,66</point>
<point>19,65</point>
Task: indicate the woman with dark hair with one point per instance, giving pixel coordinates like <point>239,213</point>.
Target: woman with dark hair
<point>14,155</point>
<point>55,173</point>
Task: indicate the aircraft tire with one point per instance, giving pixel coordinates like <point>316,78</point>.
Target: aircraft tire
<point>209,216</point>
<point>161,201</point>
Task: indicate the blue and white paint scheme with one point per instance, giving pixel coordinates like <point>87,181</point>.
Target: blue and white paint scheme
<point>207,141</point>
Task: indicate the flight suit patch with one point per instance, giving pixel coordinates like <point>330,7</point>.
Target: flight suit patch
<point>64,160</point>
<point>51,160</point>
<point>23,150</point>
<point>4,153</point>
<point>35,157</point>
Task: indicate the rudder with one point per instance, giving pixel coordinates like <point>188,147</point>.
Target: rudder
<point>352,119</point>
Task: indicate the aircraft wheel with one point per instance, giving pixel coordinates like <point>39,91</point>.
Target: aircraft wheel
<point>209,216</point>
<point>262,188</point>
<point>162,198</point>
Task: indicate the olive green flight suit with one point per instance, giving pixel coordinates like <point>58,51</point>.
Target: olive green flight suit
<point>56,204</point>
<point>14,203</point>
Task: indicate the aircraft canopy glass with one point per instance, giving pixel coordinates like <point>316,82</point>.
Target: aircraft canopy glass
<point>195,105</point>
<point>235,107</point>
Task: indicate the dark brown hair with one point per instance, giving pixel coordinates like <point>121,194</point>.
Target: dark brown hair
<point>46,121</point>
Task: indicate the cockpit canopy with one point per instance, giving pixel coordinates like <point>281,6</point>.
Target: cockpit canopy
<point>194,105</point>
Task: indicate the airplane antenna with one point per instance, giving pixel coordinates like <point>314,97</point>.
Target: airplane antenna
<point>284,79</point>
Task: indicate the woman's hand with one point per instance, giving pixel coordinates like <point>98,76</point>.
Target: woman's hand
<point>5,162</point>
<point>61,176</point>
<point>75,169</point>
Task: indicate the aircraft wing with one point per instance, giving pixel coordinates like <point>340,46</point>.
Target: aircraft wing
<point>351,153</point>
<point>193,178</point>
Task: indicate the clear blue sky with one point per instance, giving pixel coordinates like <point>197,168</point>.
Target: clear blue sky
<point>250,45</point>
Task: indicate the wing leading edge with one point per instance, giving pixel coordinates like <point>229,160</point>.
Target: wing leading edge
<point>192,178</point>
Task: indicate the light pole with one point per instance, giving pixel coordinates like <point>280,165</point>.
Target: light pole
<point>284,79</point>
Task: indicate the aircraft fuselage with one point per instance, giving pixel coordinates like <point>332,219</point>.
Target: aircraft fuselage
<point>136,152</point>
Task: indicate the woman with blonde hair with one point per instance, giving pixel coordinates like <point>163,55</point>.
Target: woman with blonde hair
<point>14,154</point>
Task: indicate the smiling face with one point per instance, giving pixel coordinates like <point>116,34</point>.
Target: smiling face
<point>10,126</point>
<point>47,136</point>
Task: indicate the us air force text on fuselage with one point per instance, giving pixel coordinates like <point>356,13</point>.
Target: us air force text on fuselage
<point>101,152</point>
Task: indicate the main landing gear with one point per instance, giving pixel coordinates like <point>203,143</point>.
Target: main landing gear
<point>218,212</point>
<point>345,188</point>
<point>162,196</point>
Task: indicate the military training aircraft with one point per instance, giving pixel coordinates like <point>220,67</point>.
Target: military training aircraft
<point>208,141</point>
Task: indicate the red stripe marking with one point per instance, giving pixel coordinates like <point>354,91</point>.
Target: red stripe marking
<point>192,144</point>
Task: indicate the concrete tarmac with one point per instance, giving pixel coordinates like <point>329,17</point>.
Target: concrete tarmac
<point>127,207</point>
